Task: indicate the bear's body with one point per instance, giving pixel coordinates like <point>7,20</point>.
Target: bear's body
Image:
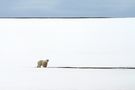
<point>42,63</point>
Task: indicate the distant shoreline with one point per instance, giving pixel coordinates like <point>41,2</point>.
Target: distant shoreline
<point>95,67</point>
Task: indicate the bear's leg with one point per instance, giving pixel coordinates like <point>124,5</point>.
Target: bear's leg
<point>44,64</point>
<point>39,64</point>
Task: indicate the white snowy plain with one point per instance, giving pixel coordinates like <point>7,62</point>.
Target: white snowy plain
<point>66,79</point>
<point>67,42</point>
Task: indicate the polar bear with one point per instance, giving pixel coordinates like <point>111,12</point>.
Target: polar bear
<point>42,63</point>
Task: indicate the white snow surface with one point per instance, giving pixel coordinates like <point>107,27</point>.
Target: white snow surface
<point>67,42</point>
<point>66,79</point>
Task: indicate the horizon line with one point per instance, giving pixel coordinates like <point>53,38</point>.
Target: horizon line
<point>59,17</point>
<point>95,67</point>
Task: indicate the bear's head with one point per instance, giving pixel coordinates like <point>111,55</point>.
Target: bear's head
<point>47,60</point>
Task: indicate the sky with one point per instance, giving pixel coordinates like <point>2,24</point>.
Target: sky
<point>67,42</point>
<point>67,8</point>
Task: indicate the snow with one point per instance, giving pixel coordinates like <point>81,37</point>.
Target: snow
<point>66,79</point>
<point>67,42</point>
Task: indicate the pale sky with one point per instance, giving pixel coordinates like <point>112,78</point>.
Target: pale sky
<point>67,8</point>
<point>84,42</point>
